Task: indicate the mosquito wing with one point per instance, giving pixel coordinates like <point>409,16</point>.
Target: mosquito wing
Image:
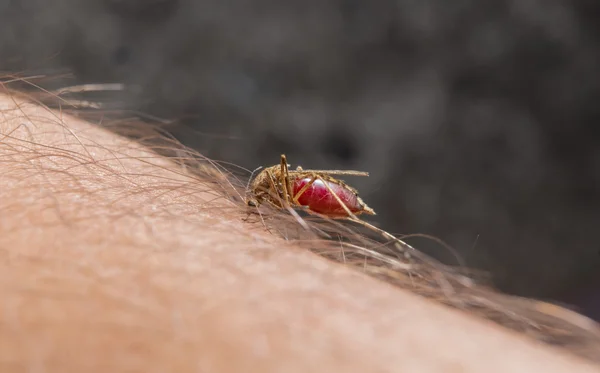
<point>331,172</point>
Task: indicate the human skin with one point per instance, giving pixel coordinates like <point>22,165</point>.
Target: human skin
<point>114,259</point>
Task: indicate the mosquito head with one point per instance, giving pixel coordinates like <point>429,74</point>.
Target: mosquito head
<point>252,202</point>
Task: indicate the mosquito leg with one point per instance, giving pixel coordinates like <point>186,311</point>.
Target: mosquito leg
<point>401,245</point>
<point>274,189</point>
<point>285,179</point>
<point>285,186</point>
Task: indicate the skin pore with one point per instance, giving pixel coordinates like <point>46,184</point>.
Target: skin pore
<point>113,258</point>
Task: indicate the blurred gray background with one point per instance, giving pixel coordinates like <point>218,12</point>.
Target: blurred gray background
<point>478,120</point>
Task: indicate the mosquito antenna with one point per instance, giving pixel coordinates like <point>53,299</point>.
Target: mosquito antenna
<point>251,176</point>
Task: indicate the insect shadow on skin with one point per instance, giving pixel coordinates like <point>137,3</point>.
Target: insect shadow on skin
<point>316,192</point>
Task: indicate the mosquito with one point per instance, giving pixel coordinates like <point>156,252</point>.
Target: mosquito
<point>315,191</point>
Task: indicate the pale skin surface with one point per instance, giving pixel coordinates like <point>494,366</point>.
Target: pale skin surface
<point>121,265</point>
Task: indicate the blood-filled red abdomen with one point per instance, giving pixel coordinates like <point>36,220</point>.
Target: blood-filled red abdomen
<point>320,200</point>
